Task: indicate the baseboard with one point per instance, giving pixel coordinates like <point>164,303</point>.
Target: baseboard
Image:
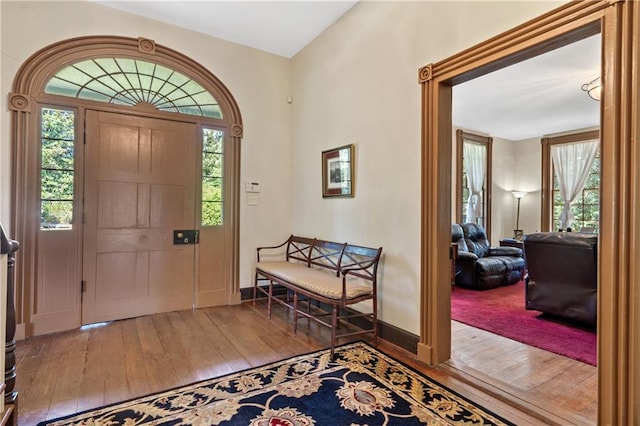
<point>388,332</point>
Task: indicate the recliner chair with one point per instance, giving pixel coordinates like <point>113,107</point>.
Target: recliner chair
<point>562,274</point>
<point>480,266</point>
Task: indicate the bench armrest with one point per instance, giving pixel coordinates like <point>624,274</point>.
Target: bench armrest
<point>270,248</point>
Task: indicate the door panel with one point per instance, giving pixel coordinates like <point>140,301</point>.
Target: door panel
<point>140,184</point>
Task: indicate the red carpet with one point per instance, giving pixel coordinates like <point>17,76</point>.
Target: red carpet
<point>501,311</point>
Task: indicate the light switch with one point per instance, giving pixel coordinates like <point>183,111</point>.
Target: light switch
<point>252,200</point>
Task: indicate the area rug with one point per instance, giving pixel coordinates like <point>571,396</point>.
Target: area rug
<point>360,386</point>
<point>501,311</point>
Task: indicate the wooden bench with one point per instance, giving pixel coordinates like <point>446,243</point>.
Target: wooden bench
<point>337,274</point>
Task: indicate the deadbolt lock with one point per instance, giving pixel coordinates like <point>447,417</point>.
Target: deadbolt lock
<point>185,236</point>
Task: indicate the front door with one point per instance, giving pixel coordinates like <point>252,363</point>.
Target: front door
<point>140,186</point>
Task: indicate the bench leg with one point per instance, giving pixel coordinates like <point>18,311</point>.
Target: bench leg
<point>269,299</point>
<point>375,320</point>
<point>255,289</point>
<point>295,313</point>
<point>334,326</point>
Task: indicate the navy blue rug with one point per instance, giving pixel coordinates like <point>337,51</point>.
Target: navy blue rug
<point>360,386</point>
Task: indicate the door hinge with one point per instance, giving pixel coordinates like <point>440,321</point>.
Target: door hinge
<point>83,286</point>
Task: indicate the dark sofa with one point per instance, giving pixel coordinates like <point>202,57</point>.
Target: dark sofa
<point>480,266</point>
<point>562,274</point>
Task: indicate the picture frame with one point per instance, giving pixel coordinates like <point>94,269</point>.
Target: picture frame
<point>337,172</point>
<point>518,234</point>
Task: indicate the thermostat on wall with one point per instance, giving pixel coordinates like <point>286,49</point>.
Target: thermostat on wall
<point>253,187</point>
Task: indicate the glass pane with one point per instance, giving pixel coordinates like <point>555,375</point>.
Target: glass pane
<point>213,111</point>
<point>211,214</point>
<point>204,98</point>
<point>211,189</point>
<point>56,185</point>
<point>211,165</point>
<point>90,67</point>
<point>74,74</point>
<point>162,72</point>
<point>593,181</point>
<point>145,68</point>
<point>192,87</point>
<point>127,65</point>
<point>108,64</point>
<point>178,79</point>
<point>56,214</point>
<point>190,110</point>
<point>57,154</point>
<point>591,196</point>
<point>93,96</point>
<point>57,124</point>
<point>213,140</point>
<point>55,86</point>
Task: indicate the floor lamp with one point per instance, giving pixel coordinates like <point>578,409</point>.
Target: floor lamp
<point>517,233</point>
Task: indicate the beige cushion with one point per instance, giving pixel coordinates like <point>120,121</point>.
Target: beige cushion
<point>324,283</point>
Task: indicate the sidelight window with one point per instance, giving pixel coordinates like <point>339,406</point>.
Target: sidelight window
<point>212,177</point>
<point>57,136</point>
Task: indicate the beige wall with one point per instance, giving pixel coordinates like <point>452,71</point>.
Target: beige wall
<point>355,83</point>
<point>516,167</point>
<point>358,83</point>
<point>260,83</point>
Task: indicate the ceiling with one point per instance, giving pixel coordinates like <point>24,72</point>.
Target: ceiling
<point>279,27</point>
<point>537,97</point>
<point>534,98</point>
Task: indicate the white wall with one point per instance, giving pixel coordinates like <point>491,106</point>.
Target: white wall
<point>357,83</point>
<point>260,83</point>
<point>516,167</point>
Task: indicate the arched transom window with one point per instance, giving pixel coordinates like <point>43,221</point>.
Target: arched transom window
<point>134,82</point>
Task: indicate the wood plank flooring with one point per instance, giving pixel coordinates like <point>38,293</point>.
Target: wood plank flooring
<point>67,372</point>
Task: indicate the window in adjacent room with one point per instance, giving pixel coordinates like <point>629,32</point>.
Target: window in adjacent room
<point>581,168</point>
<point>473,171</point>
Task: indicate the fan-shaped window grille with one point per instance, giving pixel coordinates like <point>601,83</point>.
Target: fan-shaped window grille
<point>134,82</point>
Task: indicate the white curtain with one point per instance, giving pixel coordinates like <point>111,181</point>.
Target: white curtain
<point>475,165</point>
<point>572,164</point>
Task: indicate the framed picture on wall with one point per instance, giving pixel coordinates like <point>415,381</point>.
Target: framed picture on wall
<point>337,172</point>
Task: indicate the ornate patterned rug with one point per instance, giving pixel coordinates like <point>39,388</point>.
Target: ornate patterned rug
<point>361,386</point>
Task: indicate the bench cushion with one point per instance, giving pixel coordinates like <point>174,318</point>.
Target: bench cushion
<point>323,283</point>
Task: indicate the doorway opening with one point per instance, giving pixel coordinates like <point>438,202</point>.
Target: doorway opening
<point>574,21</point>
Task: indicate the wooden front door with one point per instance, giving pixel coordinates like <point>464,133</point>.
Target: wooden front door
<point>140,186</point>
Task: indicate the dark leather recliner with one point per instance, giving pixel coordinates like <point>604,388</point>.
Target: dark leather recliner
<point>562,274</point>
<point>480,266</point>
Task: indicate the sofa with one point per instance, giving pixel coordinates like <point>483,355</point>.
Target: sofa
<point>562,277</point>
<point>480,266</point>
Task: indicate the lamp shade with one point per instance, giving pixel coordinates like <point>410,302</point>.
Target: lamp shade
<point>518,194</point>
<point>593,88</point>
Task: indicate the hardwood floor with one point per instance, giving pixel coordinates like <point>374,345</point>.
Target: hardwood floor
<point>67,372</point>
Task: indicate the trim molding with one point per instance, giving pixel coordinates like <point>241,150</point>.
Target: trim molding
<point>28,93</point>
<point>619,271</point>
